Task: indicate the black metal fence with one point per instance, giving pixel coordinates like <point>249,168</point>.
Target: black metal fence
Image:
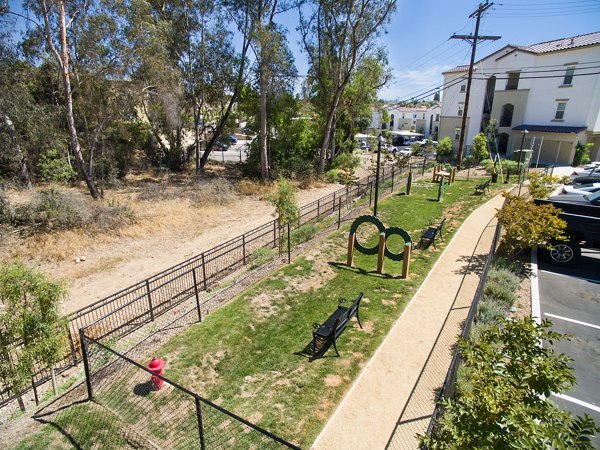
<point>449,387</point>
<point>129,309</point>
<point>171,417</point>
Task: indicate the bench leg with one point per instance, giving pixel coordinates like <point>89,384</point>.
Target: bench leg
<point>358,318</point>
<point>433,242</point>
<point>335,347</point>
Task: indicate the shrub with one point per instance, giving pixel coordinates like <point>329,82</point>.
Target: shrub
<point>214,192</point>
<point>500,262</point>
<point>332,176</point>
<point>504,278</point>
<point>527,224</point>
<point>582,154</point>
<point>541,184</point>
<point>346,161</point>
<point>490,312</point>
<point>444,147</point>
<point>303,234</point>
<point>499,294</point>
<point>505,402</point>
<point>261,256</point>
<point>6,210</point>
<point>54,168</point>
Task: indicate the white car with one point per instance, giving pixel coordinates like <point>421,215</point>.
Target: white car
<point>592,165</point>
<point>402,151</point>
<point>595,172</point>
<point>580,190</point>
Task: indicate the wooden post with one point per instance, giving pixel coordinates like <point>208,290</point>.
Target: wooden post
<point>435,169</point>
<point>406,260</point>
<point>339,213</point>
<point>381,253</point>
<point>350,259</point>
<point>409,182</point>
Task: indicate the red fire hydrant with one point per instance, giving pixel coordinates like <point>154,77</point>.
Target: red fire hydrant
<point>156,366</point>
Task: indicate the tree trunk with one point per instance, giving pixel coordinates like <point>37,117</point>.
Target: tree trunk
<point>64,63</point>
<point>264,156</point>
<point>329,128</point>
<point>23,171</point>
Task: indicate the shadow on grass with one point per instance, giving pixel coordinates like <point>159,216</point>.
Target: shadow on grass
<point>144,389</point>
<point>311,353</point>
<point>359,271</point>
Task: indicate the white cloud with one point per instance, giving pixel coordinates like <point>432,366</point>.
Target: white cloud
<point>410,83</point>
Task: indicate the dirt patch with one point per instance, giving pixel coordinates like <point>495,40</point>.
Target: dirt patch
<point>333,380</point>
<point>204,374</point>
<point>324,409</point>
<point>264,305</point>
<point>522,305</point>
<point>368,326</point>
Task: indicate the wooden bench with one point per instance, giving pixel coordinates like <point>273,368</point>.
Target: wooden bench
<point>331,329</point>
<point>482,187</point>
<point>431,233</point>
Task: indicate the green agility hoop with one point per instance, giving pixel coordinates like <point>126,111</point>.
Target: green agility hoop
<point>367,219</point>
<point>398,232</point>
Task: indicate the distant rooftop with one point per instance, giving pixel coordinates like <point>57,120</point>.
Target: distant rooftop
<point>556,45</point>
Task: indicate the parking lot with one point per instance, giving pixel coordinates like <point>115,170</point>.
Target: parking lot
<point>570,298</point>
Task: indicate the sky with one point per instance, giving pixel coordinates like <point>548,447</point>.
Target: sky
<point>418,44</point>
<point>417,37</point>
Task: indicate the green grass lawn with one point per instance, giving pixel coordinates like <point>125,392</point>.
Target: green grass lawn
<point>250,356</point>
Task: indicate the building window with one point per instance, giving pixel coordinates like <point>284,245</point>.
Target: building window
<point>560,110</point>
<point>437,117</point>
<point>507,115</point>
<point>463,86</point>
<point>569,75</point>
<point>513,81</point>
<point>414,115</point>
<point>461,109</point>
<point>456,134</point>
<point>423,116</point>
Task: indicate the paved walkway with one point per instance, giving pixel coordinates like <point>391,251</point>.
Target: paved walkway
<point>381,395</point>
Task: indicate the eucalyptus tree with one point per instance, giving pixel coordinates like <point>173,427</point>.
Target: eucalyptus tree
<point>337,36</point>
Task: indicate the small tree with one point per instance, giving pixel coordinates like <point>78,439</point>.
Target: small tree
<point>444,147</point>
<point>30,324</point>
<point>479,150</point>
<point>285,202</point>
<point>582,154</point>
<point>504,403</point>
<point>527,224</point>
<point>54,168</point>
<point>541,184</point>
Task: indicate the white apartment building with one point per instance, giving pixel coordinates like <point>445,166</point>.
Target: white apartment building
<point>544,97</point>
<point>401,118</point>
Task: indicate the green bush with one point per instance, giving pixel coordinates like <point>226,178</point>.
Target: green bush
<point>504,397</point>
<point>332,176</point>
<point>499,294</point>
<point>284,201</point>
<point>503,278</point>
<point>54,168</point>
<point>489,312</point>
<point>500,262</point>
<point>444,147</point>
<point>479,150</point>
<point>507,165</point>
<point>261,256</point>
<point>303,234</point>
<point>541,184</point>
<point>346,161</point>
<point>582,154</point>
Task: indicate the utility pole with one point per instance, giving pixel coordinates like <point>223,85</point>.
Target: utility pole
<point>477,14</point>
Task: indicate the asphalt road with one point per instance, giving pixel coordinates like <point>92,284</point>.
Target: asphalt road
<point>234,153</point>
<point>570,297</point>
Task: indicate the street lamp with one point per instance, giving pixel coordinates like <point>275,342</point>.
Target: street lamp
<point>521,159</point>
<point>379,141</point>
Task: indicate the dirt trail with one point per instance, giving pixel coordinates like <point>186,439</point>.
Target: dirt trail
<point>112,266</point>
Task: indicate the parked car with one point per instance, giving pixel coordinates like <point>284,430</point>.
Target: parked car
<point>586,199</point>
<point>579,190</point>
<point>232,139</point>
<point>404,151</point>
<point>592,165</point>
<point>595,172</point>
<point>584,181</point>
<point>583,230</point>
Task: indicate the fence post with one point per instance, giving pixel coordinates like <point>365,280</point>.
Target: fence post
<point>35,392</point>
<point>318,209</point>
<point>370,193</point>
<point>150,300</point>
<point>196,293</point>
<point>244,248</point>
<point>393,170</point>
<point>72,346</point>
<point>339,213</point>
<point>86,364</point>
<point>274,232</point>
<point>204,273</point>
<point>289,244</point>
<point>333,204</point>
<point>200,427</point>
